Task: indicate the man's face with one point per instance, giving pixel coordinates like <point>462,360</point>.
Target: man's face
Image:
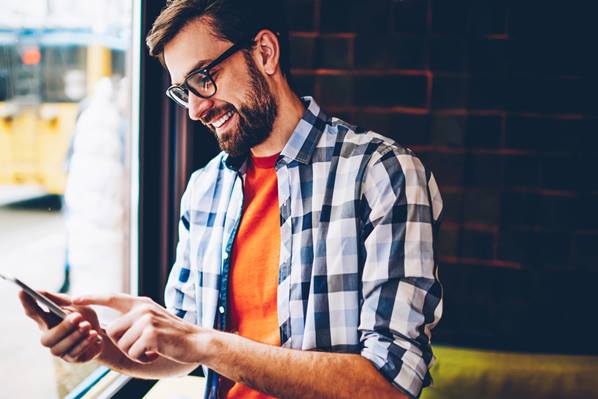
<point>242,112</point>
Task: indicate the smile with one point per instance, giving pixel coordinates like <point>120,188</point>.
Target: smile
<point>222,120</point>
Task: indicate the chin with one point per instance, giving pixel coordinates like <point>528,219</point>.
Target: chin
<point>226,145</point>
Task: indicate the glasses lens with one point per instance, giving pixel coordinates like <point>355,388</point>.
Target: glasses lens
<point>179,95</point>
<point>202,84</point>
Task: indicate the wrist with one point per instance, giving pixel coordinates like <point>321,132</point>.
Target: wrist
<point>110,355</point>
<point>208,344</point>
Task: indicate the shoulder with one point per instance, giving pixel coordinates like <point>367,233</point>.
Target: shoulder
<point>353,141</point>
<point>213,167</point>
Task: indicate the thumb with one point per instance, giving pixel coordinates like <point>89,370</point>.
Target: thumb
<point>33,311</point>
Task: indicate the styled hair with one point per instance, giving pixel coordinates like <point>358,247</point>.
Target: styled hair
<point>237,21</point>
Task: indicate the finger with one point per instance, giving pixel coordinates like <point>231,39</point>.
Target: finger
<point>120,326</point>
<point>132,335</point>
<point>120,302</point>
<point>33,311</point>
<point>67,358</point>
<point>60,331</point>
<point>96,348</point>
<point>64,346</point>
<point>144,350</point>
<point>59,299</point>
<point>85,346</point>
<point>149,357</point>
<point>87,312</point>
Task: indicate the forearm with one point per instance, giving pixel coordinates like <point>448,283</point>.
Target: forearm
<point>287,373</point>
<point>113,358</point>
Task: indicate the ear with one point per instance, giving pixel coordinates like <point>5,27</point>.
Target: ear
<point>267,51</point>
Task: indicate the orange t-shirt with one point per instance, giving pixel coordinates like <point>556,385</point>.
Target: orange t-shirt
<point>253,311</point>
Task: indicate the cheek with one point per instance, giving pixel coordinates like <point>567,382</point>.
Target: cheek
<point>234,88</point>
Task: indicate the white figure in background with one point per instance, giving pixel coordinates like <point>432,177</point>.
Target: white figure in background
<point>95,196</point>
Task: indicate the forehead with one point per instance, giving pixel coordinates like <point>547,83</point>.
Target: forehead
<point>194,43</point>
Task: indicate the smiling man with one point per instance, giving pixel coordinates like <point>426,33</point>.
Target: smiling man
<point>305,265</point>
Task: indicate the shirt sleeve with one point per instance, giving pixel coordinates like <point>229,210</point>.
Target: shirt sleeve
<point>179,295</point>
<point>402,297</point>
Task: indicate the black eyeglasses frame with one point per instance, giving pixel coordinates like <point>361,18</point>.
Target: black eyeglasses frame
<point>205,72</point>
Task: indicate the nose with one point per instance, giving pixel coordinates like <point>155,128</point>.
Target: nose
<point>198,106</point>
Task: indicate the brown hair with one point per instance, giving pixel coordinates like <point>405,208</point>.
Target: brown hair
<point>237,21</point>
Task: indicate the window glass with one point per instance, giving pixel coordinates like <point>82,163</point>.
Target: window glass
<point>65,140</point>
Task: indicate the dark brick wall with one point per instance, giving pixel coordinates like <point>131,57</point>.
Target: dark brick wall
<point>500,99</point>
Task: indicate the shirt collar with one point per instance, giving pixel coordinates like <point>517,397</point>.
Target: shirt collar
<point>303,140</point>
<point>306,135</point>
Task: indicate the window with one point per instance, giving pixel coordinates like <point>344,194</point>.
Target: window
<point>67,133</point>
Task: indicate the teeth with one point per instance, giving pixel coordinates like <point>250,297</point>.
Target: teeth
<point>221,121</point>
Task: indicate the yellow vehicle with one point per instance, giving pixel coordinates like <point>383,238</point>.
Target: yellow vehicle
<point>44,76</point>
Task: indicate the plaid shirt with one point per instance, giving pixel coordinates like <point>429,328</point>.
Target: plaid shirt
<point>358,217</point>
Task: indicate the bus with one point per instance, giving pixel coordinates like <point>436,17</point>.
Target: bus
<point>45,74</point>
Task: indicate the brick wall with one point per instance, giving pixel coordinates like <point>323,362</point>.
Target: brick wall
<point>500,99</point>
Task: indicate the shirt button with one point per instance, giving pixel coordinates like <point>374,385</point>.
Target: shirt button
<point>225,256</point>
<point>221,309</point>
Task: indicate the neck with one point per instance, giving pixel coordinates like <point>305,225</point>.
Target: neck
<point>290,111</point>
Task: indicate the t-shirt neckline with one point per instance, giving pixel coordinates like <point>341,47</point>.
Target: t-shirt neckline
<point>264,162</point>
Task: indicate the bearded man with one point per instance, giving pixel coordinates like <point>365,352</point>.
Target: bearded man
<point>305,266</point>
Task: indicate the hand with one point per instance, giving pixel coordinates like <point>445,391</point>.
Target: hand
<point>146,330</point>
<point>75,339</point>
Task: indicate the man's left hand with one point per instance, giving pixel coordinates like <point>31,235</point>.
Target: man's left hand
<point>146,330</point>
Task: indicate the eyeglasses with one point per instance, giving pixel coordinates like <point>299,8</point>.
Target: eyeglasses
<point>199,81</point>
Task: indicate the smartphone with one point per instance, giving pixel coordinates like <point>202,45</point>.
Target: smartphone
<point>42,299</point>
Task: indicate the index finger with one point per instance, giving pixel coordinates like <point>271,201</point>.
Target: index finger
<point>120,302</point>
<point>59,299</point>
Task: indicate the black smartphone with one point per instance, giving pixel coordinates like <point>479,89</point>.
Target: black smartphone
<point>40,298</point>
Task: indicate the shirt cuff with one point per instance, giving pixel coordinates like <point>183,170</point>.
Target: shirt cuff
<point>405,369</point>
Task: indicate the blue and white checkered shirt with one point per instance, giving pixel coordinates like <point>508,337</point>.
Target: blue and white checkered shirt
<point>358,217</point>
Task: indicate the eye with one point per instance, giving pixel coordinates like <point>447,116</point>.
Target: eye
<point>206,83</point>
<point>200,83</point>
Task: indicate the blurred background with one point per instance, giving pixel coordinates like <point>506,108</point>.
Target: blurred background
<point>499,98</point>
<point>64,171</point>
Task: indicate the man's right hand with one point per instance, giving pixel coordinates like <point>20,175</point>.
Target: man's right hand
<point>75,339</point>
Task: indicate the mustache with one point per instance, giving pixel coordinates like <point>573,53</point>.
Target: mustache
<point>215,112</point>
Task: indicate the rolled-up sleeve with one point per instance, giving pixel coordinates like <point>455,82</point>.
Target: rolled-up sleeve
<point>180,289</point>
<point>402,297</point>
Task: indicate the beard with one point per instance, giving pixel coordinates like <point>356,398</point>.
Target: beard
<point>256,116</point>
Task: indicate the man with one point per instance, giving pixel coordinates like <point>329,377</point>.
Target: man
<point>305,265</point>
